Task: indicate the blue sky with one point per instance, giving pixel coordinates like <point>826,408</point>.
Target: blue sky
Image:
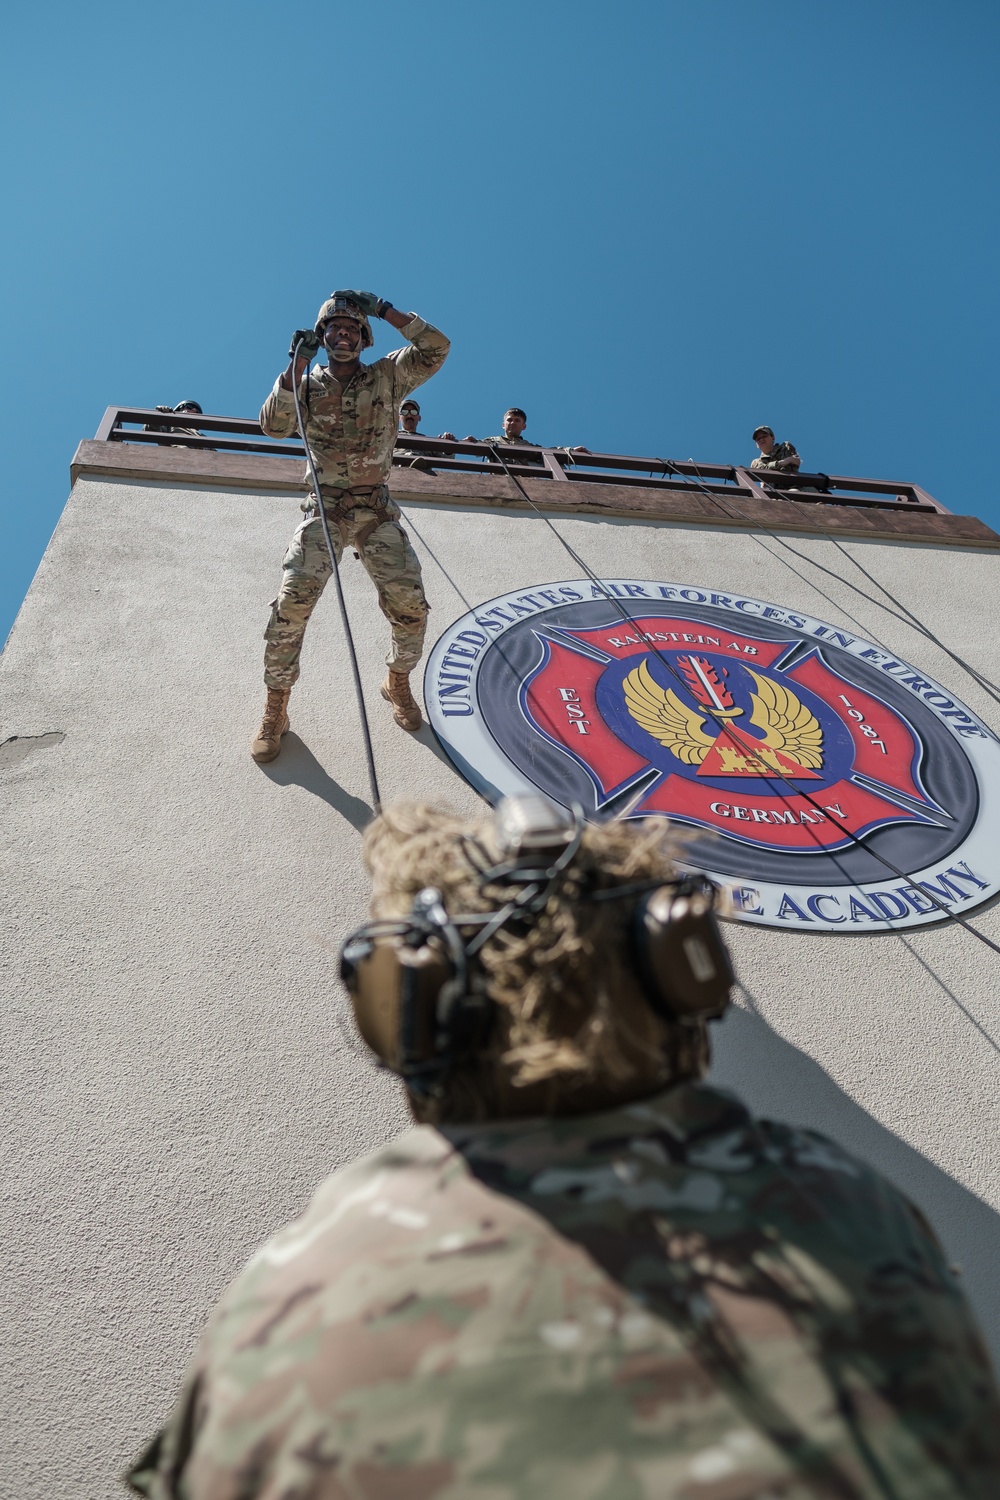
<point>653,225</point>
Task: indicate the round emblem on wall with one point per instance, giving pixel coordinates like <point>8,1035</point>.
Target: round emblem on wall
<point>828,785</point>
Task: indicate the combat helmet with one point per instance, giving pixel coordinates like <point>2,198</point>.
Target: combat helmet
<point>343,305</point>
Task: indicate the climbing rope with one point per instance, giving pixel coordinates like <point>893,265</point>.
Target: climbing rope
<point>345,620</point>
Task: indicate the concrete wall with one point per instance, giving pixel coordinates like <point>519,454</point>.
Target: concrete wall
<point>175,1075</point>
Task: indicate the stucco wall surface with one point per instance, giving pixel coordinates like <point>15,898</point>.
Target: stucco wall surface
<point>176,1078</point>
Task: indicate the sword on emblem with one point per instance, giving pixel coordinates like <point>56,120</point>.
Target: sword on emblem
<point>708,688</point>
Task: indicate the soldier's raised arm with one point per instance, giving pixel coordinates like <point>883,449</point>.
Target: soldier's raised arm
<point>427,352</point>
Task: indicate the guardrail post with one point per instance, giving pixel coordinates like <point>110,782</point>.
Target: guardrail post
<point>744,480</point>
<point>553,465</point>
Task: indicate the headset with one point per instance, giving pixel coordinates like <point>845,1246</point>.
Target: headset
<point>420,998</point>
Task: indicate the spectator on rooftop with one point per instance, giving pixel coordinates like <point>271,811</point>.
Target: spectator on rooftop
<point>182,407</point>
<point>514,422</point>
<point>780,456</point>
<point>409,422</point>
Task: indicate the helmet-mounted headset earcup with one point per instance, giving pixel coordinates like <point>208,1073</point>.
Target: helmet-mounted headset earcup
<point>680,955</point>
<point>395,987</point>
<point>415,1001</point>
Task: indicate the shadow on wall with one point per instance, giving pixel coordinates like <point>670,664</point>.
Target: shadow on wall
<point>297,766</point>
<point>779,1082</point>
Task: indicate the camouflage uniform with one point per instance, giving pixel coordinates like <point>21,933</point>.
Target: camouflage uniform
<point>529,458</point>
<point>352,431</point>
<point>372,527</point>
<point>663,1300</point>
<point>772,459</point>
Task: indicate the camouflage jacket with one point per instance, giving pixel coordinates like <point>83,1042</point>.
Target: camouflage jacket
<point>352,429</point>
<point>771,460</point>
<point>518,442</point>
<point>665,1300</point>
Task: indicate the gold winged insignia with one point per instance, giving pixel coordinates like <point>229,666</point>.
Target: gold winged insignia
<point>661,713</point>
<point>790,726</point>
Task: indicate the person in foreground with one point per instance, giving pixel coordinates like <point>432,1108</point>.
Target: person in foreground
<point>585,1274</point>
<point>351,413</point>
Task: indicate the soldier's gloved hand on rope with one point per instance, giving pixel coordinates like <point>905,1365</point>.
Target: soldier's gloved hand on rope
<point>308,344</point>
<point>370,305</point>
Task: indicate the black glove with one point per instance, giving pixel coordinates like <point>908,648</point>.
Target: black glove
<point>366,301</point>
<point>308,346</point>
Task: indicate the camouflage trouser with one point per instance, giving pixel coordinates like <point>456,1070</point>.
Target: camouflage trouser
<point>391,564</point>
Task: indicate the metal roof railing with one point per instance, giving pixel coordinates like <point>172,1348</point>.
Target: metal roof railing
<point>127,424</point>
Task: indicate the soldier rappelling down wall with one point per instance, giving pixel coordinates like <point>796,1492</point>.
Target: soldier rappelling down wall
<point>351,413</point>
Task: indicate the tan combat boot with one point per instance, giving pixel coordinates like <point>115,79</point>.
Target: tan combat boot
<point>405,709</point>
<point>274,724</point>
